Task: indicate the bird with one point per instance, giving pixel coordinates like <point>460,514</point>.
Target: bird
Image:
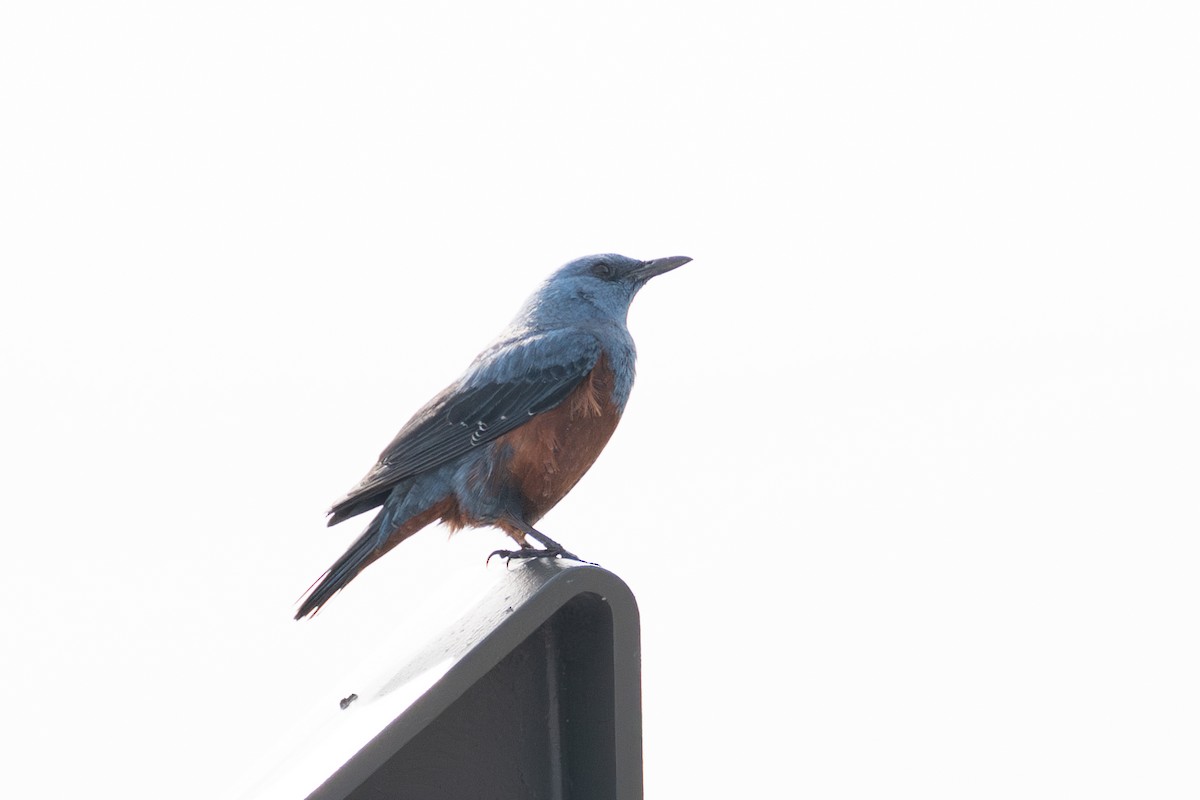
<point>503,444</point>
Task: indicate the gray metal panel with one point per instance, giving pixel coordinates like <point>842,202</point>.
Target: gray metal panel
<point>539,695</point>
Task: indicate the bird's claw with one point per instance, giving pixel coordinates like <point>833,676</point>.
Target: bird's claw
<point>533,552</point>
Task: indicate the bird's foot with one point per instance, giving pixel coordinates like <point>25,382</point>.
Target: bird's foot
<point>534,552</point>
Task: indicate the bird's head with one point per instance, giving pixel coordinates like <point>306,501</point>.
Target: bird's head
<point>599,286</point>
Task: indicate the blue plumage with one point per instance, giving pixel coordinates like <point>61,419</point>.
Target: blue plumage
<point>502,444</point>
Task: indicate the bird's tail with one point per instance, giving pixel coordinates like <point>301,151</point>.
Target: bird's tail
<point>380,536</point>
<point>365,550</point>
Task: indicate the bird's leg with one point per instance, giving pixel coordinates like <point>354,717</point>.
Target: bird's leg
<point>551,545</point>
<point>552,549</point>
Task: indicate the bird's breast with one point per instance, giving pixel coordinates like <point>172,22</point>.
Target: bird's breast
<point>549,454</point>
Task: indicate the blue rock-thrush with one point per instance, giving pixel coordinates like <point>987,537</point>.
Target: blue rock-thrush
<point>506,441</point>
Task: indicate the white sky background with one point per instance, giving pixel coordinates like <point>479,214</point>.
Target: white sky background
<point>906,489</point>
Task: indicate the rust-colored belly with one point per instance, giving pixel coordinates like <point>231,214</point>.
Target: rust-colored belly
<point>551,452</point>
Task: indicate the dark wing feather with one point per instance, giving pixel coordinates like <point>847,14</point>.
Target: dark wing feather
<point>503,389</point>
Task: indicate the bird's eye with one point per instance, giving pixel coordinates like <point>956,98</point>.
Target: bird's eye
<point>604,270</point>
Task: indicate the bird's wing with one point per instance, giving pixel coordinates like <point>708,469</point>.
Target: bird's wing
<point>506,386</point>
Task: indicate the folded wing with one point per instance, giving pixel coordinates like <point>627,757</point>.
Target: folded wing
<point>508,385</point>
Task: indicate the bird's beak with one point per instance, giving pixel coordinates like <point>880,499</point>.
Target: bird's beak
<point>658,266</point>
